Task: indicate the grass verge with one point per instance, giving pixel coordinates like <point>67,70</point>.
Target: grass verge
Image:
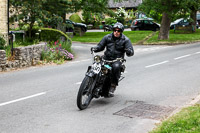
<point>141,36</point>
<point>175,38</point>
<point>186,121</point>
<point>95,37</point>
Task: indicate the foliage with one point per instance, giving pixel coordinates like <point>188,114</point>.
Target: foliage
<point>28,41</point>
<point>93,10</point>
<point>69,27</point>
<point>170,10</point>
<point>110,21</point>
<point>76,18</point>
<point>26,12</point>
<point>132,14</point>
<point>57,52</point>
<point>52,13</point>
<point>121,15</point>
<point>174,8</point>
<point>93,18</point>
<point>157,7</point>
<point>44,12</point>
<point>2,42</point>
<point>48,34</point>
<point>186,121</point>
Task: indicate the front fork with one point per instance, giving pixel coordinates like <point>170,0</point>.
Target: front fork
<point>95,78</point>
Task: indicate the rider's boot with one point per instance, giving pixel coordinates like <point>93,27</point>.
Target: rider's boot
<point>112,90</point>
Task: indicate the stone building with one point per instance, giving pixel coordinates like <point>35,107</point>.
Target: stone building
<point>127,4</point>
<point>4,18</point>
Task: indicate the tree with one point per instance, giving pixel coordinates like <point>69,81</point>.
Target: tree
<point>54,11</point>
<point>193,7</point>
<point>45,12</point>
<point>91,8</point>
<point>26,11</point>
<point>170,10</point>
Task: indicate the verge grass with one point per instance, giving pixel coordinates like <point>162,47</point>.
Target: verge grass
<point>138,36</point>
<point>175,38</point>
<point>95,37</point>
<point>186,121</point>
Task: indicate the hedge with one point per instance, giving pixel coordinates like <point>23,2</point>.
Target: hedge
<point>49,34</point>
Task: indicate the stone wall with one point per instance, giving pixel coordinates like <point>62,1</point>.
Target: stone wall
<point>4,19</point>
<point>22,57</point>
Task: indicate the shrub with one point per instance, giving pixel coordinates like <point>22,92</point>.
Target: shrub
<point>58,49</point>
<point>2,42</point>
<point>121,15</point>
<point>75,17</point>
<point>57,52</point>
<point>110,21</point>
<point>48,34</point>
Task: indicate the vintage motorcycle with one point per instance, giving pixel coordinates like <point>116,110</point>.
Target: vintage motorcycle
<point>97,80</point>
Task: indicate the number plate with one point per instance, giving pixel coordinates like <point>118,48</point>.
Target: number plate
<point>96,68</point>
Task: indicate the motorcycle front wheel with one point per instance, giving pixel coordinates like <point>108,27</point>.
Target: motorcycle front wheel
<point>84,96</point>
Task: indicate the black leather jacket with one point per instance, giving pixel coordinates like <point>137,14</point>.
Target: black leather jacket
<point>115,47</point>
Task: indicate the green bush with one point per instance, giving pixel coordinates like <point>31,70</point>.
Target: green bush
<point>75,17</point>
<point>110,21</point>
<point>58,49</point>
<point>57,52</point>
<point>48,34</point>
<point>28,41</point>
<point>2,42</point>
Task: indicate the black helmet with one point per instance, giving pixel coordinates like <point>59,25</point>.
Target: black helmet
<point>119,26</point>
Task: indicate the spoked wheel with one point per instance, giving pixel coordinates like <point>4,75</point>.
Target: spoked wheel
<point>84,94</point>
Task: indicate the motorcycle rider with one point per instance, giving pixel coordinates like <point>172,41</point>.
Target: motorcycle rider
<point>117,44</point>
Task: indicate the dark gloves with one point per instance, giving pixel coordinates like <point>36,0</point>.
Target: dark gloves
<point>93,49</point>
<point>129,52</point>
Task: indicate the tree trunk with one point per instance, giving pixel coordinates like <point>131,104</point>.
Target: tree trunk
<point>193,16</point>
<point>30,29</point>
<point>165,27</point>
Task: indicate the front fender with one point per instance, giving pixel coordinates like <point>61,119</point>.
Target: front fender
<point>90,74</point>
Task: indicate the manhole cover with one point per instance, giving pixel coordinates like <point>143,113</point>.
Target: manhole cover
<point>143,110</point>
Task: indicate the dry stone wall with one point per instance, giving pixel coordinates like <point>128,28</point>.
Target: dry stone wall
<point>22,57</point>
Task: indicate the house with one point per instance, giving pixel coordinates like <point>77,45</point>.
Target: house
<point>127,4</point>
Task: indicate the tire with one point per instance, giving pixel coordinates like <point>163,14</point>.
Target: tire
<point>137,29</point>
<point>84,96</point>
<point>83,29</point>
<point>157,29</point>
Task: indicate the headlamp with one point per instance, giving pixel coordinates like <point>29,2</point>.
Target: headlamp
<point>97,58</point>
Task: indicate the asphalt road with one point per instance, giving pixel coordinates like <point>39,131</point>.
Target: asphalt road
<point>158,80</point>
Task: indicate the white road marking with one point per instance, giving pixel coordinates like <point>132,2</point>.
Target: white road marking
<point>86,60</point>
<point>197,52</point>
<point>156,64</point>
<point>182,56</point>
<point>21,99</point>
<point>73,62</point>
<point>78,83</point>
<point>138,50</point>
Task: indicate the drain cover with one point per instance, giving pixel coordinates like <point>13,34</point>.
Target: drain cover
<point>143,110</point>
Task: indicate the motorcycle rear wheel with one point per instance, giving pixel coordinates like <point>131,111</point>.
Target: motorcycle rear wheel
<point>84,96</point>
